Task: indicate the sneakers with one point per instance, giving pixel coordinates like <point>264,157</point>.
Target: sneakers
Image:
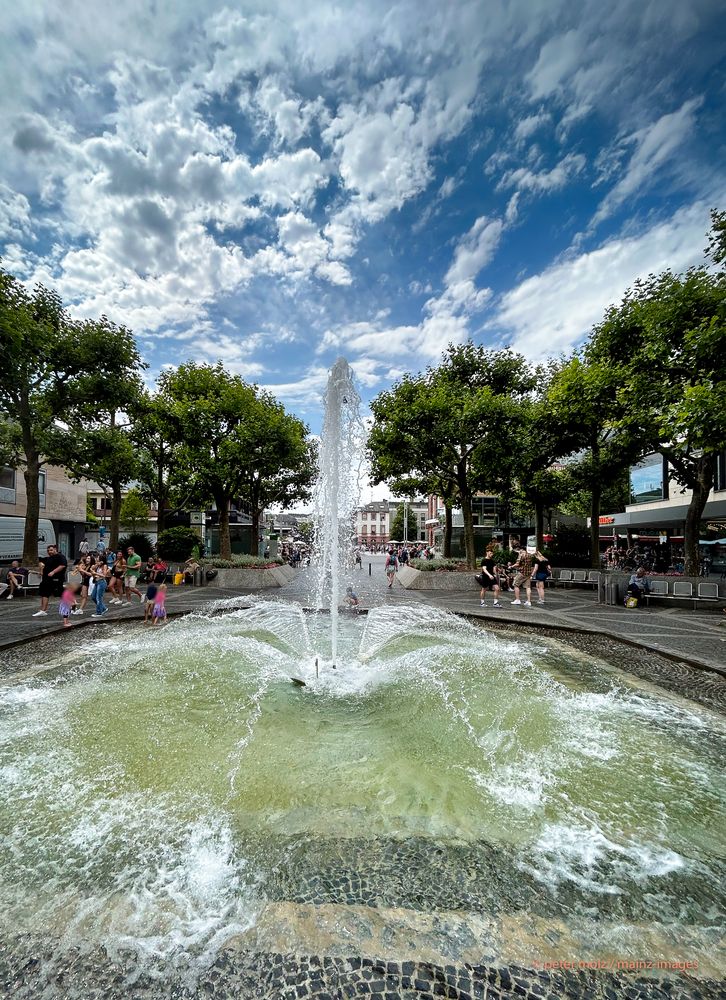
<point>40,614</point>
<point>482,604</point>
<point>540,602</point>
<point>528,604</point>
<point>77,611</point>
<point>497,604</point>
<point>516,602</point>
<point>102,615</point>
<point>9,597</point>
<point>115,600</point>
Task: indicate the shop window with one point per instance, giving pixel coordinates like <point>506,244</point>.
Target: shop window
<point>41,488</point>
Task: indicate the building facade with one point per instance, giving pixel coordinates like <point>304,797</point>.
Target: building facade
<point>372,523</point>
<point>659,504</point>
<point>62,503</point>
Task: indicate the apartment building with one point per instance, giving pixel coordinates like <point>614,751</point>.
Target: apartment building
<point>62,508</point>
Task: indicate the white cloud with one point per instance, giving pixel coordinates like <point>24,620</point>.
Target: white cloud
<point>654,148</point>
<point>553,311</point>
<point>527,126</point>
<point>544,181</point>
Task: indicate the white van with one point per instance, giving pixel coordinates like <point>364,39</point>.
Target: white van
<point>12,530</point>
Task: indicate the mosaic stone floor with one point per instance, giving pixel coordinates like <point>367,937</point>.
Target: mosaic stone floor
<point>292,977</point>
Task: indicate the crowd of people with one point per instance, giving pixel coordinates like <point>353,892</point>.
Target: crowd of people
<point>104,577</point>
<point>528,568</point>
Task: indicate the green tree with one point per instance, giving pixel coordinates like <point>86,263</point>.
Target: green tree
<point>53,372</point>
<point>280,461</point>
<point>447,424</point>
<point>160,470</point>
<point>669,337</point>
<point>397,525</point>
<point>134,510</point>
<point>583,398</point>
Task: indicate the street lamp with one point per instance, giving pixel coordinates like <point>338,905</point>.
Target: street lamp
<point>405,522</point>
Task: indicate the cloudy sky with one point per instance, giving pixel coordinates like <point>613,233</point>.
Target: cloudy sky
<point>277,183</point>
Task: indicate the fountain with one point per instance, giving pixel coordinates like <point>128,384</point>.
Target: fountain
<point>338,489</point>
<point>175,815</point>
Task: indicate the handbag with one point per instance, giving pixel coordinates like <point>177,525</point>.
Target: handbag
<point>631,602</point>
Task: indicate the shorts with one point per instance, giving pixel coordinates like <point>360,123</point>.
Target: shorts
<point>50,587</point>
<point>520,578</point>
<point>131,582</point>
<point>541,577</point>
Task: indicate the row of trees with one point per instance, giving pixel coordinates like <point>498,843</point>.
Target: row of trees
<point>651,377</point>
<point>72,394</point>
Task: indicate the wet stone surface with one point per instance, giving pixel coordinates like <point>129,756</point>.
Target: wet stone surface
<point>421,874</point>
<point>291,977</point>
<point>703,686</point>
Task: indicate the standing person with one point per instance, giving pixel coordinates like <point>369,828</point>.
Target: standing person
<point>133,568</point>
<point>523,575</point>
<point>101,574</point>
<point>53,570</point>
<point>542,573</point>
<point>85,568</point>
<point>151,592</point>
<point>16,577</point>
<point>84,547</point>
<point>159,605</point>
<point>116,577</point>
<point>65,608</point>
<point>358,559</point>
<point>391,567</point>
<point>488,579</point>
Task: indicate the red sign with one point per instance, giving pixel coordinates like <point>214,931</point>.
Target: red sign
<point>605,519</point>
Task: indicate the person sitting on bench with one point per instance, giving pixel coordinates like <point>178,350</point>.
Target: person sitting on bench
<point>16,577</point>
<point>638,586</point>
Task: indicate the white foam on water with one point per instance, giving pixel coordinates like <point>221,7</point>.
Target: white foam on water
<point>586,856</point>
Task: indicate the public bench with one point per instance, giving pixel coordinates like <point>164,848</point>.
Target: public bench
<point>681,590</point>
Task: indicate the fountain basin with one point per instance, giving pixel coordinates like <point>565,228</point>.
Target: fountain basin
<point>444,794</point>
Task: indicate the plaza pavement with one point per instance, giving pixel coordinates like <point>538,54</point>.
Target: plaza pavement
<point>694,637</point>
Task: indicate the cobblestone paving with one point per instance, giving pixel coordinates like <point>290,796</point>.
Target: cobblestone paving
<point>247,975</point>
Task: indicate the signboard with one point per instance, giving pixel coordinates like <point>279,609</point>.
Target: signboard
<point>606,519</point>
<point>196,517</point>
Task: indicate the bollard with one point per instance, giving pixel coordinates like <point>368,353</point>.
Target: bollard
<point>369,569</point>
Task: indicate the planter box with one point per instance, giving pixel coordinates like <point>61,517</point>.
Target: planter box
<point>416,579</point>
<point>252,579</point>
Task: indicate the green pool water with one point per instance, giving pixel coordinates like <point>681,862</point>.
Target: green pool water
<point>155,785</point>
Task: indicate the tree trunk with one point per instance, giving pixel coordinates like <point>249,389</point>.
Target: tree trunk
<point>32,510</point>
<point>225,543</point>
<point>539,522</point>
<point>595,496</point>
<point>116,501</point>
<point>448,528</point>
<point>466,512</point>
<point>255,535</point>
<point>595,525</point>
<point>701,489</point>
<point>161,495</point>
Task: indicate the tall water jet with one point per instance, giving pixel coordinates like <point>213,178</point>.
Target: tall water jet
<point>342,455</point>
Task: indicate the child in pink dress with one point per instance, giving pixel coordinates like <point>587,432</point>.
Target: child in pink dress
<point>160,605</point>
<point>68,599</point>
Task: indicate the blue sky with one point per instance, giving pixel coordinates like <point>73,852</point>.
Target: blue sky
<point>274,184</point>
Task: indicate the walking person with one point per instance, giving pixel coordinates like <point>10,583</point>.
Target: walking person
<point>391,567</point>
<point>159,614</point>
<point>101,575</point>
<point>542,573</point>
<point>131,574</point>
<point>523,576</point>
<point>53,574</point>
<point>488,579</point>
<point>65,607</point>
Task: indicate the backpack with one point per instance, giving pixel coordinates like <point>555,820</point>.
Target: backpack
<point>393,561</point>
